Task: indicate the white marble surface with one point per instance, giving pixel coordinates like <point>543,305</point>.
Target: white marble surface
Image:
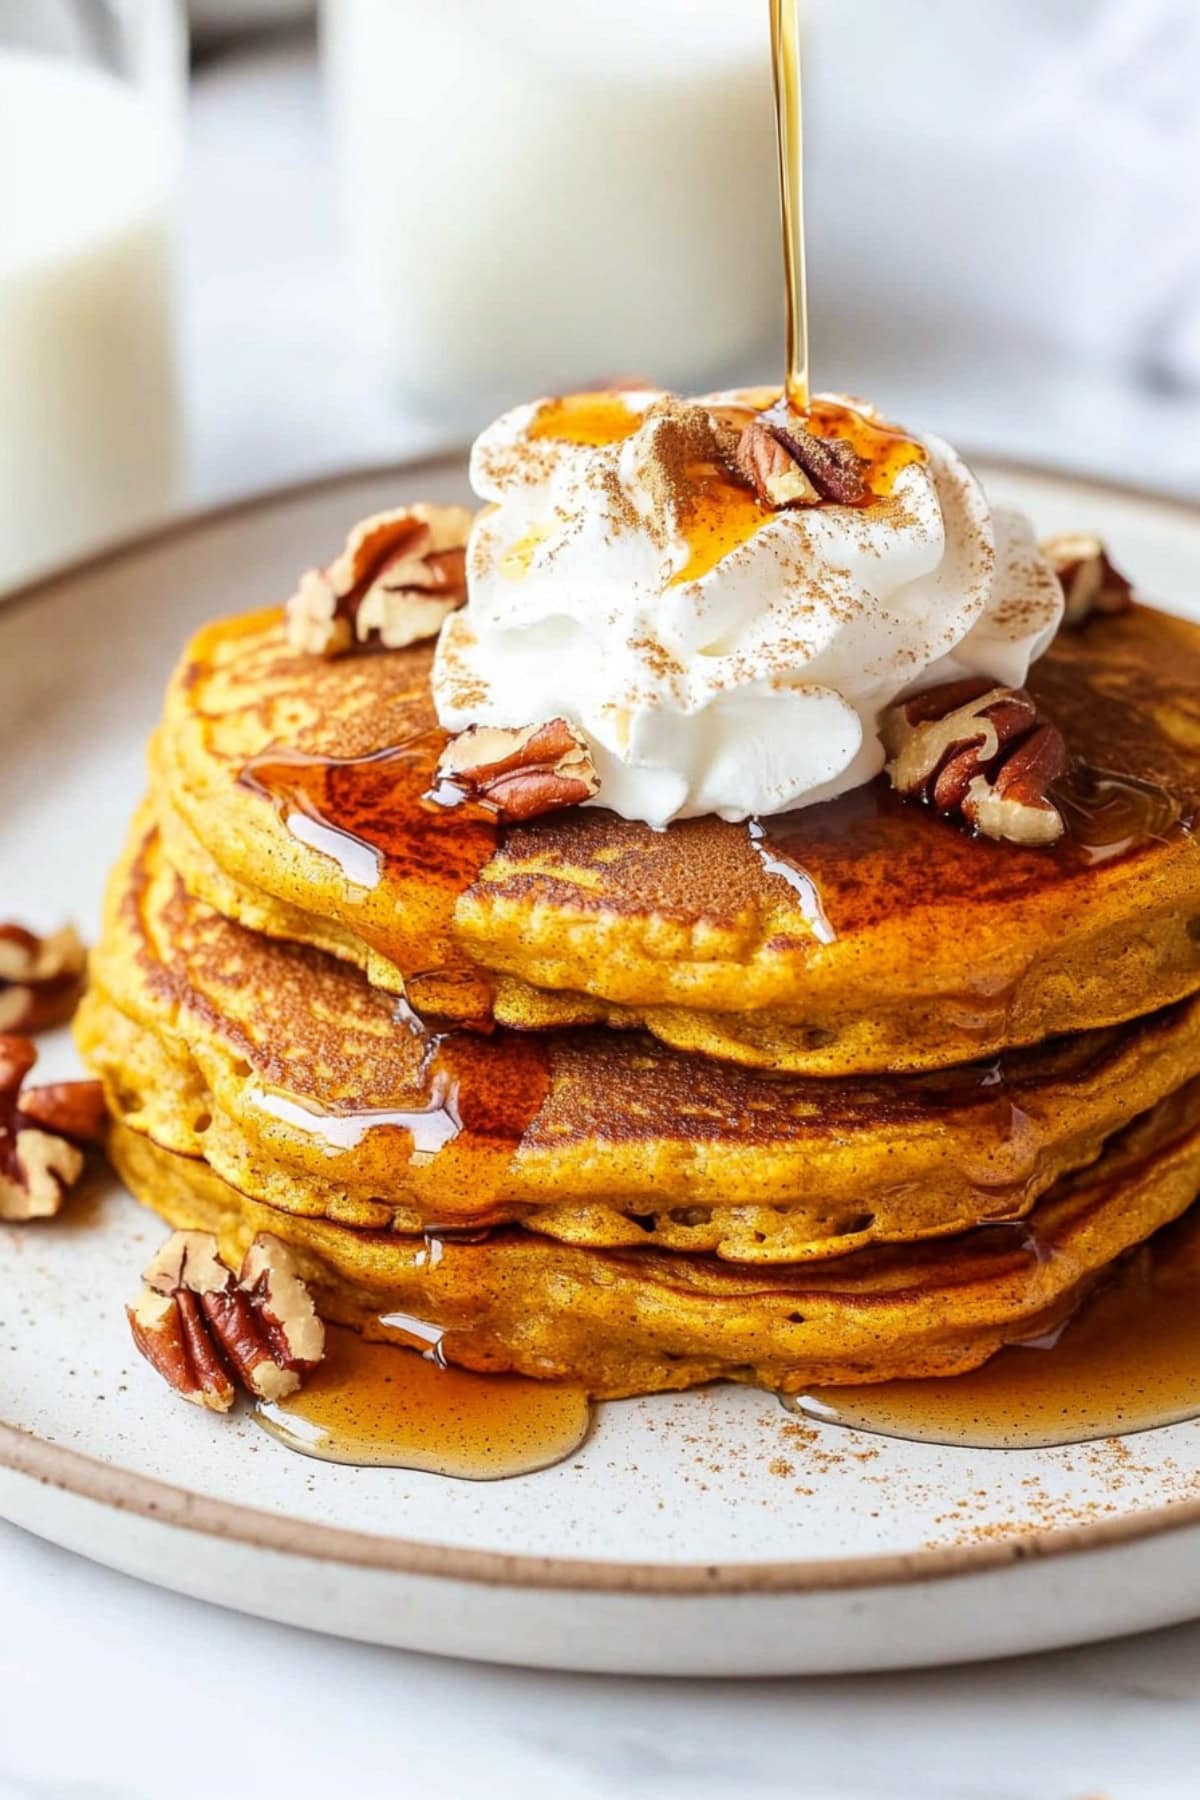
<point>111,1689</point>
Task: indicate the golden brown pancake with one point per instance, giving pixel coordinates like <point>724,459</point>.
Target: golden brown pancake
<point>857,936</point>
<point>635,1321</point>
<point>306,1089</point>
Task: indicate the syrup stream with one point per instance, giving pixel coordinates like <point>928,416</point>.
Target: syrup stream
<point>785,62</point>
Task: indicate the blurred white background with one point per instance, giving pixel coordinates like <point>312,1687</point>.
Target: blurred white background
<point>1004,240</point>
<point>436,209</point>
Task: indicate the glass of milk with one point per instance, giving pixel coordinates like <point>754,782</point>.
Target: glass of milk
<point>541,194</point>
<point>89,418</point>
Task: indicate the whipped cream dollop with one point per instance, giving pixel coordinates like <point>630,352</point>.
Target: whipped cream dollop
<point>718,656</point>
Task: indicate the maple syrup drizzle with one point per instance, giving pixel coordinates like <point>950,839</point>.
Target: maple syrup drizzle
<point>383,1405</point>
<point>405,857</point>
<point>720,516</point>
<point>846,858</point>
<point>776,861</point>
<point>1108,814</point>
<point>431,1126</point>
<point>474,1099</point>
<point>586,419</point>
<point>883,449</point>
<point>1128,1360</point>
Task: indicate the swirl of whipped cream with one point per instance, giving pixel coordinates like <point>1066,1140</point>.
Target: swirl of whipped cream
<point>720,657</point>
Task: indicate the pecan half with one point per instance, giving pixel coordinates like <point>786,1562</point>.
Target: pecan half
<point>521,772</point>
<point>783,462</point>
<point>399,576</point>
<point>1090,582</point>
<point>978,751</point>
<point>43,1133</point>
<point>207,1331</point>
<point>772,470</point>
<point>41,979</point>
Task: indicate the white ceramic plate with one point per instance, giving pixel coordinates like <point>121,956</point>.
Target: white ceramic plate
<point>701,1534</point>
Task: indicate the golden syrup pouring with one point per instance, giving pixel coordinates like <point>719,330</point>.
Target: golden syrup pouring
<point>785,65</point>
<point>1129,1360</point>
<point>382,1405</point>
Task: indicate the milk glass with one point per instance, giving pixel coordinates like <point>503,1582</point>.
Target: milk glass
<point>541,194</point>
<point>89,421</point>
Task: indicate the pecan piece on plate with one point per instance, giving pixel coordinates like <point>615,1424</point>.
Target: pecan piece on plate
<point>521,772</point>
<point>1090,581</point>
<point>41,979</point>
<point>209,1332</point>
<point>399,576</point>
<point>978,751</point>
<point>788,466</point>
<point>43,1134</point>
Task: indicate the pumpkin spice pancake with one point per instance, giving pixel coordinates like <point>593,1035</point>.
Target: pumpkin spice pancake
<point>623,1321</point>
<point>859,934</point>
<point>294,1077</point>
<point>756,736</point>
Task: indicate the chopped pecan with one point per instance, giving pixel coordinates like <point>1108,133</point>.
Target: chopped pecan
<point>1090,582</point>
<point>399,576</point>
<point>977,750</point>
<point>783,462</point>
<point>43,1132</point>
<point>41,979</point>
<point>71,1109</point>
<point>772,470</point>
<point>521,772</point>
<point>208,1332</point>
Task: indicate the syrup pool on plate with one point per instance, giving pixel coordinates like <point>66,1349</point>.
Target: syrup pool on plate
<point>1129,1360</point>
<point>382,1405</point>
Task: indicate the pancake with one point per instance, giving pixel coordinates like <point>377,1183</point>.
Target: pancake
<point>636,1321</point>
<point>300,1084</point>
<point>858,936</point>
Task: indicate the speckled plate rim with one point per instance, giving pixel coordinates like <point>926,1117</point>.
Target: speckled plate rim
<point>90,1478</point>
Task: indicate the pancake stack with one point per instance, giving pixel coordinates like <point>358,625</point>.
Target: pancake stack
<point>842,1096</point>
